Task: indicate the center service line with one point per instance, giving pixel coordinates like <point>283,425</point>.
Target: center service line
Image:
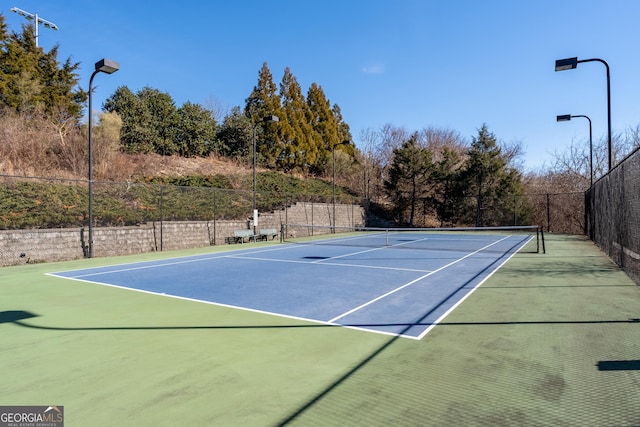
<point>393,291</point>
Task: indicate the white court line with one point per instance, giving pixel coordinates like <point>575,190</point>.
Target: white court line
<point>232,254</point>
<point>142,267</point>
<point>393,291</point>
<point>349,254</point>
<point>292,261</point>
<point>235,255</point>
<point>161,263</point>
<point>446,313</point>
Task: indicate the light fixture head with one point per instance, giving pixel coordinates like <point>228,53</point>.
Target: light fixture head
<point>107,66</point>
<point>51,25</point>
<point>566,64</point>
<point>271,119</point>
<point>21,12</point>
<point>563,118</point>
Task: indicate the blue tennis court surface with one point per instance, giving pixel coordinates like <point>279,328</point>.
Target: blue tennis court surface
<point>393,290</point>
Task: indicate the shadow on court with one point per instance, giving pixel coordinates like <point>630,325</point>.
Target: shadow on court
<point>18,316</point>
<point>15,316</point>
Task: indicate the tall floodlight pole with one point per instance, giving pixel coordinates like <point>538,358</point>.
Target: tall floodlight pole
<point>570,64</point>
<point>109,67</point>
<point>566,118</point>
<point>255,209</point>
<point>36,20</point>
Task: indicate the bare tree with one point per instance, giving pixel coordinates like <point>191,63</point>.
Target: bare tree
<point>218,109</point>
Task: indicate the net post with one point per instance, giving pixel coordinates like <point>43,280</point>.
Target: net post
<point>544,249</point>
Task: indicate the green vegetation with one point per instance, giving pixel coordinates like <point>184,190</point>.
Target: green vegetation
<point>481,189</point>
<point>33,82</point>
<point>31,204</point>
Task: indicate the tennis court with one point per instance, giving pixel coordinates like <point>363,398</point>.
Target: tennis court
<point>546,340</point>
<point>398,282</point>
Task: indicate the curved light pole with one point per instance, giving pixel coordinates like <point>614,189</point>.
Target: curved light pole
<point>566,118</point>
<point>570,64</point>
<point>36,19</point>
<point>109,67</point>
<point>255,209</point>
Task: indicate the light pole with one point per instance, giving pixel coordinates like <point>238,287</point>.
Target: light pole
<point>566,118</point>
<point>333,161</point>
<point>36,19</point>
<point>109,67</point>
<point>570,64</point>
<point>255,209</point>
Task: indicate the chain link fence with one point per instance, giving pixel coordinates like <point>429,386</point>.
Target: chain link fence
<point>613,214</point>
<point>558,212</point>
<point>39,205</point>
<point>45,220</point>
<point>58,203</point>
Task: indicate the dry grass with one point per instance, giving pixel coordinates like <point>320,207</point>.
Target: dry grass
<point>37,147</point>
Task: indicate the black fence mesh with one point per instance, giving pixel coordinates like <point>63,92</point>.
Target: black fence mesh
<point>613,214</point>
<point>39,203</point>
<point>558,212</point>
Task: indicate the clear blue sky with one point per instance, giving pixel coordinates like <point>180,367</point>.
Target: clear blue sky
<point>450,64</point>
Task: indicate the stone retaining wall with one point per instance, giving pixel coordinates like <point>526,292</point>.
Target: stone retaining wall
<point>50,245</point>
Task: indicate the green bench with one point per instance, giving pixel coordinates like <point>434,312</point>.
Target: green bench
<point>241,236</point>
<point>266,233</point>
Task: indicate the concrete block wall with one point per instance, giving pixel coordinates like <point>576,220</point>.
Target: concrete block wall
<point>50,245</point>
<point>30,246</point>
<point>322,214</point>
<point>112,241</point>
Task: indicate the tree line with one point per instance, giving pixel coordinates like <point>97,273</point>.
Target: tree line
<point>308,127</point>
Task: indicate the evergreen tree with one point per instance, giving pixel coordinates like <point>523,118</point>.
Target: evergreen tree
<point>447,191</point>
<point>33,82</point>
<point>408,179</point>
<point>137,135</point>
<point>264,101</point>
<point>149,121</point>
<point>344,133</point>
<point>301,149</point>
<point>488,179</point>
<point>235,135</point>
<point>195,133</point>
<point>324,125</point>
<point>163,116</point>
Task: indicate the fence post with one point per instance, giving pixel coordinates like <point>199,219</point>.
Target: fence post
<point>215,207</point>
<point>548,214</point>
<point>161,214</point>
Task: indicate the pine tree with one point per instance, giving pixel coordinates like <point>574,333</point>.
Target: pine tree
<point>324,125</point>
<point>488,179</point>
<point>301,150</point>
<point>344,133</point>
<point>409,176</point>
<point>264,101</point>
<point>33,82</point>
<point>446,191</point>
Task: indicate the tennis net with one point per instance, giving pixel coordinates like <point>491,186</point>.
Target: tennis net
<point>528,238</point>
